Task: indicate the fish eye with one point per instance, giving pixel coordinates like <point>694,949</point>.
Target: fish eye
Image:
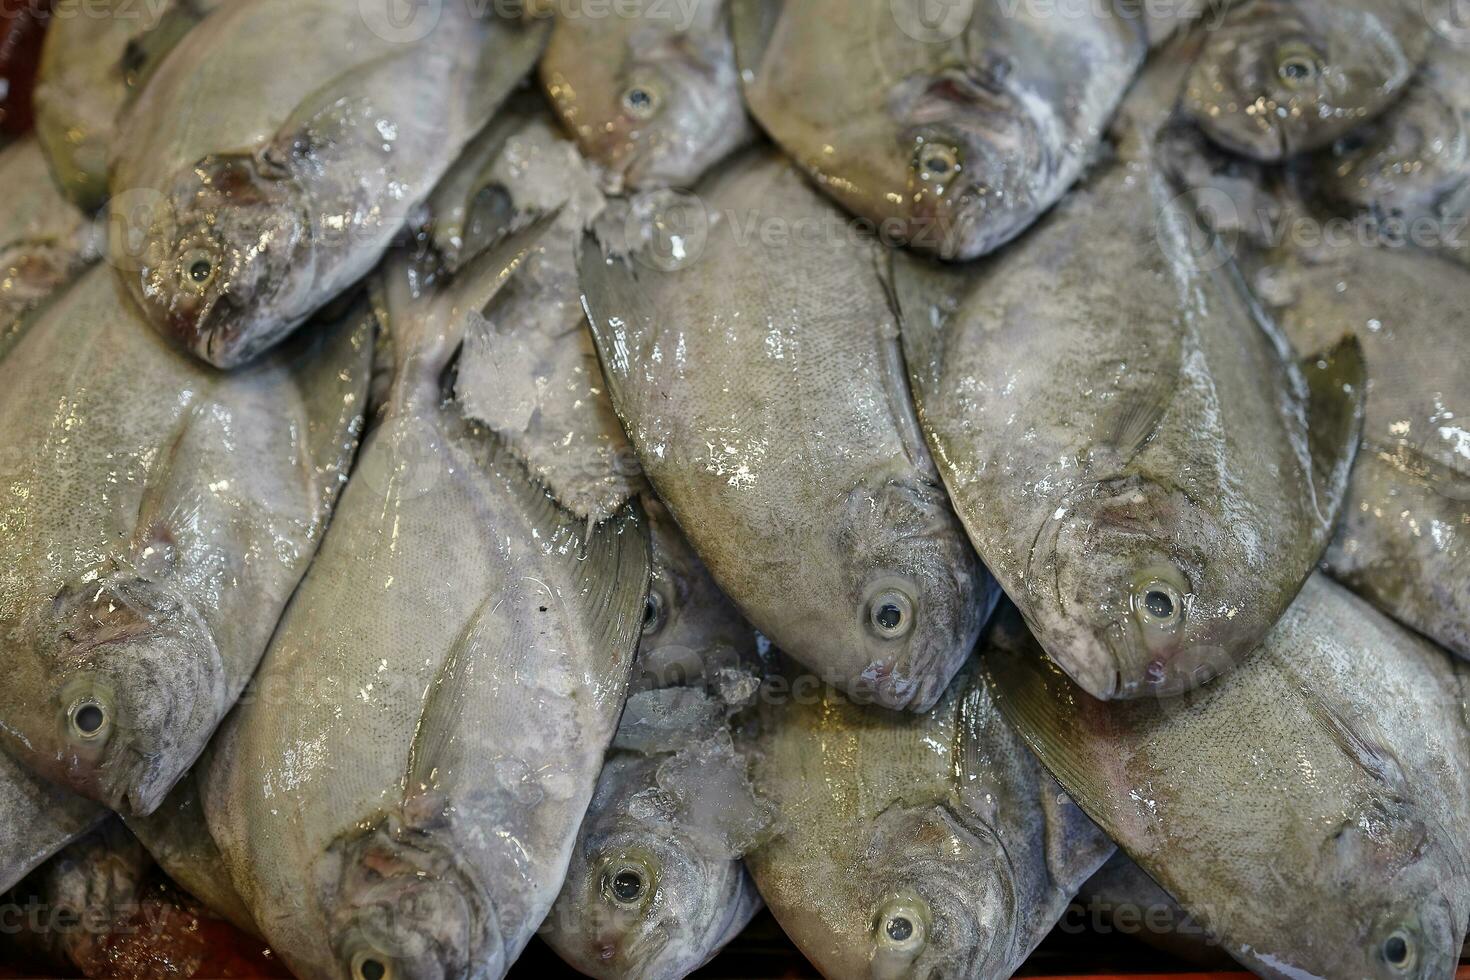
<point>625,884</point>
<point>655,613</point>
<point>891,614</point>
<point>1398,952</point>
<point>937,163</point>
<point>1298,65</point>
<point>88,719</point>
<point>641,101</point>
<point>1159,604</point>
<point>901,926</point>
<point>369,965</point>
<point>197,269</point>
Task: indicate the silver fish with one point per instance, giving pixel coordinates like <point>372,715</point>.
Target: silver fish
<point>1410,169</point>
<point>159,516</point>
<point>1148,475</point>
<point>94,61</point>
<point>951,127</point>
<point>253,183</point>
<point>1404,540</point>
<point>650,93</point>
<point>1282,77</point>
<point>37,819</point>
<point>656,885</point>
<point>913,846</point>
<point>44,240</point>
<point>403,799</point>
<point>1312,807</point>
<point>761,383</point>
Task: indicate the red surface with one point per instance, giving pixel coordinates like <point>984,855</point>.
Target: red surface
<point>22,25</point>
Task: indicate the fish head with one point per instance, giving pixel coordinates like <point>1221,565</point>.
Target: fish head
<point>659,118</point>
<point>916,596</point>
<point>1271,88</point>
<point>927,898</point>
<point>645,901</point>
<point>1398,908</point>
<point>400,905</point>
<point>1404,166</point>
<point>1128,593</point>
<point>976,149</point>
<point>131,688</point>
<point>226,265</point>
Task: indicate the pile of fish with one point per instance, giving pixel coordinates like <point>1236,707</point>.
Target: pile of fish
<point>598,470</point>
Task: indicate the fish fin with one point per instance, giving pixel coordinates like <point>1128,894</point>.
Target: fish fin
<point>925,294</point>
<point>752,22</point>
<point>511,51</point>
<point>613,571</point>
<point>332,370</point>
<point>1337,381</point>
<point>1132,425</point>
<point>444,704</point>
<point>1075,846</point>
<point>144,53</point>
<point>611,295</point>
<point>1045,707</point>
<point>1369,752</point>
<point>336,113</point>
<point>895,378</point>
<point>428,323</point>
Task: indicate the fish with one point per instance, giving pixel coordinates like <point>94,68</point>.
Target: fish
<point>529,370</point>
<point>159,515</point>
<point>1122,899</point>
<point>1134,450</point>
<point>178,838</point>
<point>656,886</point>
<point>650,93</point>
<point>403,798</point>
<point>37,819</point>
<point>1310,807</point>
<point>84,895</point>
<point>252,183</point>
<point>1404,539</point>
<point>912,845</point>
<point>1409,170</point>
<point>93,63</point>
<point>44,240</point>
<point>946,127</point>
<point>758,375</point>
<point>1279,78</point>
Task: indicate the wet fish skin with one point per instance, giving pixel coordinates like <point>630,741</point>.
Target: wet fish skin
<point>1279,78</point>
<point>404,704</point>
<point>1309,807</point>
<point>955,146</point>
<point>652,98</point>
<point>806,488</point>
<point>93,63</point>
<point>37,819</point>
<point>44,240</point>
<point>1155,514</point>
<point>270,182</point>
<point>1404,540</point>
<point>150,543</point>
<point>1410,169</point>
<point>686,891</point>
<point>913,845</point>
